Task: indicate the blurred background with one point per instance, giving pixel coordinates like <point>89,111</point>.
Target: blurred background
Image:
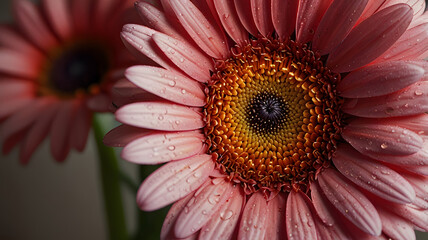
<point>46,200</point>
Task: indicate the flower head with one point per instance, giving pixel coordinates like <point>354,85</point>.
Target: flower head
<point>58,64</point>
<point>280,119</point>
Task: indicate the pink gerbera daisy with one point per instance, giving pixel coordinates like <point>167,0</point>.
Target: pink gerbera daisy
<point>57,66</point>
<point>280,119</point>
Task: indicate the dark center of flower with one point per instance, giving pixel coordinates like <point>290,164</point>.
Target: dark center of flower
<point>267,112</point>
<point>272,115</point>
<point>76,68</point>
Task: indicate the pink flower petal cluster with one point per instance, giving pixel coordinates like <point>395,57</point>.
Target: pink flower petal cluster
<point>30,108</point>
<point>377,184</point>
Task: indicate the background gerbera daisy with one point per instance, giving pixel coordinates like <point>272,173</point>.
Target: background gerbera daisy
<point>59,60</point>
<point>58,63</point>
<point>280,119</point>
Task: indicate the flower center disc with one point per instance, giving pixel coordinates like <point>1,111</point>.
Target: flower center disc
<point>74,68</point>
<point>272,115</point>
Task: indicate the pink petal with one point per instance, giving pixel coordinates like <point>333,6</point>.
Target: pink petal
<point>102,10</point>
<point>409,101</point>
<point>411,45</point>
<point>139,38</point>
<point>371,8</point>
<point>32,23</point>
<point>125,92</point>
<point>230,20</point>
<point>243,8</point>
<point>163,147</point>
<point>370,39</point>
<point>276,218</point>
<point>421,170</point>
<point>419,218</point>
<point>379,79</point>
<point>160,116</point>
<point>21,119</point>
<point>202,206</point>
<point>284,14</point>
<point>420,184</point>
<point>15,87</point>
<point>174,181</point>
<point>8,108</point>
<point>373,176</point>
<point>207,36</point>
<point>224,222</point>
<point>169,85</point>
<point>124,134</point>
<point>418,6</point>
<point>12,141</point>
<point>80,13</point>
<point>59,16</point>
<point>333,232</point>
<point>167,231</point>
<point>350,202</point>
<point>60,131</point>
<point>395,227</point>
<point>423,64</point>
<point>99,103</point>
<point>262,16</point>
<point>12,39</point>
<point>19,64</point>
<point>375,139</point>
<point>299,218</point>
<point>322,205</point>
<point>254,217</point>
<point>80,128</point>
<point>187,57</point>
<point>156,19</point>
<point>336,23</point>
<point>37,133</point>
<point>309,15</point>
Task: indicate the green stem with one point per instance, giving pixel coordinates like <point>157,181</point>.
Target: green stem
<point>110,178</point>
<point>149,223</point>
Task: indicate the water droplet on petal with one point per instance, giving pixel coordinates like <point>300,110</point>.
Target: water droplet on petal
<point>161,117</point>
<point>171,147</point>
<point>383,146</point>
<point>226,215</point>
<point>171,83</point>
<point>418,93</point>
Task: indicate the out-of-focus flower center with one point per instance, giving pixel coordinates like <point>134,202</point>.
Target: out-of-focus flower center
<point>272,115</point>
<point>73,69</point>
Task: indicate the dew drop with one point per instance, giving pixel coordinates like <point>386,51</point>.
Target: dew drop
<point>170,189</point>
<point>226,215</point>
<point>171,83</point>
<point>171,147</point>
<point>383,146</point>
<point>161,117</point>
<point>181,59</point>
<point>213,199</point>
<point>183,91</point>
<point>418,93</point>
